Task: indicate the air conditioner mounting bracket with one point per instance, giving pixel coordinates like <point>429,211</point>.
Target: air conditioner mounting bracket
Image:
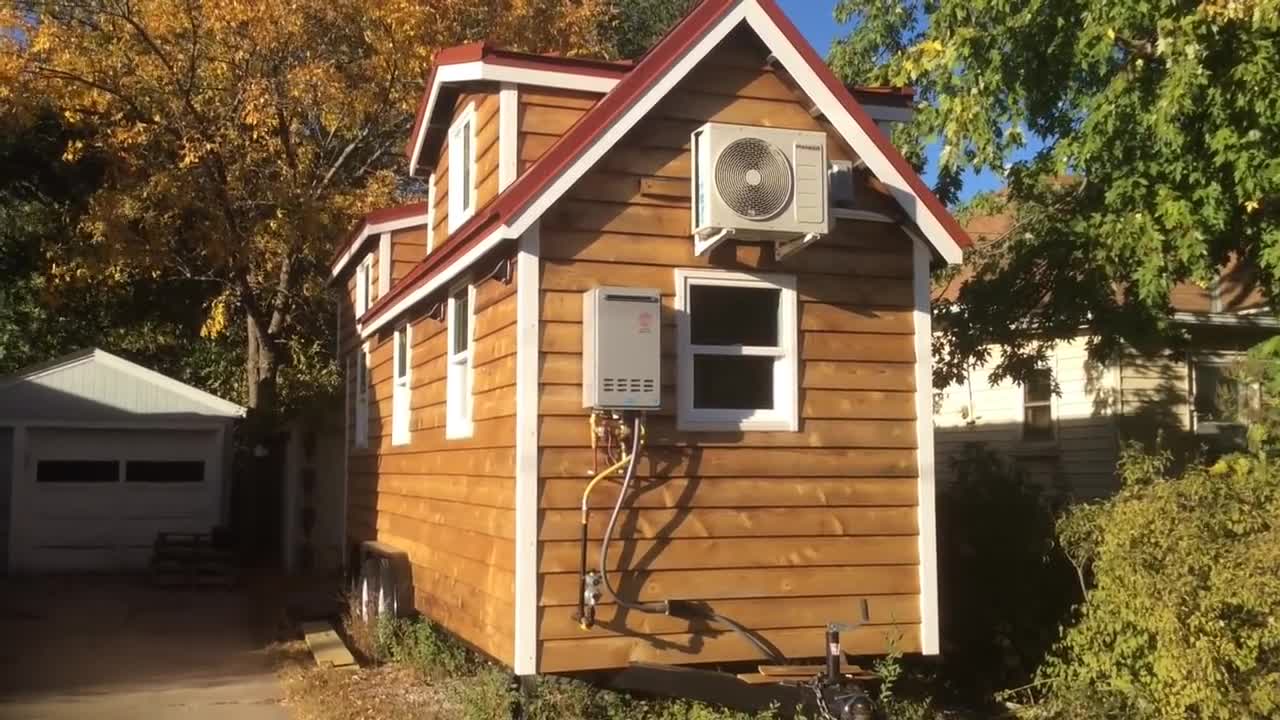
<point>790,247</point>
<point>705,244</point>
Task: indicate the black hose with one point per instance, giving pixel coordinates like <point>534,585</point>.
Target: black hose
<point>674,608</point>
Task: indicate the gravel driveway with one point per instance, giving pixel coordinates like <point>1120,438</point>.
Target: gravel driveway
<point>108,648</point>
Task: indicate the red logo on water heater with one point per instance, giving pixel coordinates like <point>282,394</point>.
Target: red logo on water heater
<point>645,321</point>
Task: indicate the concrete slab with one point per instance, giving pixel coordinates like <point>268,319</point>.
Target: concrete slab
<point>109,647</point>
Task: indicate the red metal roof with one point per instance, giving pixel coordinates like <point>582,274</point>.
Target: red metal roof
<point>652,67</point>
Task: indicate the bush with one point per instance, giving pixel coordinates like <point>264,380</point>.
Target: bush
<point>1006,586</point>
<point>1183,616</point>
<point>422,645</point>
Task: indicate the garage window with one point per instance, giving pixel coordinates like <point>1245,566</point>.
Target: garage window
<point>164,471</point>
<point>77,471</point>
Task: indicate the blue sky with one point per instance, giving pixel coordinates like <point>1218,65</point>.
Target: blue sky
<point>816,21</point>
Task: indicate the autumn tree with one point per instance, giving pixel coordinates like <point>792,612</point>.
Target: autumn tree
<point>239,140</point>
<point>1138,139</point>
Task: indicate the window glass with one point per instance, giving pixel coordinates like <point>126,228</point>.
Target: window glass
<point>164,471</point>
<point>77,471</point>
<point>402,353</point>
<point>728,315</point>
<point>1037,401</point>
<point>1218,397</point>
<point>461,320</point>
<point>733,382</point>
<point>466,166</point>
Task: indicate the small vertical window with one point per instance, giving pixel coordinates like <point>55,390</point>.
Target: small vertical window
<point>401,392</point>
<point>459,371</point>
<point>462,160</point>
<point>1037,404</point>
<point>737,351</point>
<point>362,398</point>
<point>431,213</point>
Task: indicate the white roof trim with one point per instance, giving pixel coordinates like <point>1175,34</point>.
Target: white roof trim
<point>441,279</point>
<point>196,395</point>
<point>367,231</point>
<point>791,60</point>
<point>480,70</point>
<point>1224,319</point>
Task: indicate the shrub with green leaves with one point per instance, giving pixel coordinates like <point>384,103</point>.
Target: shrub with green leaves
<point>1182,618</point>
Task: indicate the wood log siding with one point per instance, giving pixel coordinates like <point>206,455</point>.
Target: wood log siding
<point>545,114</point>
<point>782,531</point>
<point>408,248</point>
<point>448,503</point>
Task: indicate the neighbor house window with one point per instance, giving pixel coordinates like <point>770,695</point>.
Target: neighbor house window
<point>459,370</point>
<point>462,162</point>
<point>1037,405</point>
<point>362,397</point>
<point>400,393</point>
<point>1220,396</point>
<point>77,471</point>
<point>364,286</point>
<point>737,351</point>
<point>164,471</point>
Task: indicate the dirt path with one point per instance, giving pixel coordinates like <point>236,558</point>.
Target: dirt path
<point>110,648</point>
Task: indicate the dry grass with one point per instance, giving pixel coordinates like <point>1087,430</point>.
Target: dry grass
<point>383,692</point>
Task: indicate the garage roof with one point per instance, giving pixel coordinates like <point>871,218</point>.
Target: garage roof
<point>93,385</point>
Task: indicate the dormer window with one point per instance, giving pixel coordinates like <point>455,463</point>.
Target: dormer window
<point>462,162</point>
<point>364,286</point>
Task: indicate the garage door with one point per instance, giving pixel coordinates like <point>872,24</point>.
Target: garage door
<point>95,499</point>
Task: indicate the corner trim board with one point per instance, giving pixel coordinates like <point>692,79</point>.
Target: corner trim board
<point>926,485</point>
<point>528,321</point>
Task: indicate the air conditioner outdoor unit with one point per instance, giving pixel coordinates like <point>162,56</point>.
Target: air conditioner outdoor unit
<point>755,183</point>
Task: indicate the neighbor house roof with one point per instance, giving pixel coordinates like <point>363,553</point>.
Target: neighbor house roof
<point>375,223</point>
<point>633,95</point>
<point>93,382</point>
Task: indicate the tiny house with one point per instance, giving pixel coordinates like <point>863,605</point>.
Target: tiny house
<point>701,280</point>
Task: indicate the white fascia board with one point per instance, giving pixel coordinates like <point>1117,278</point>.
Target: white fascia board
<point>480,70</point>
<point>926,483</point>
<point>849,128</point>
<point>1223,319</point>
<point>508,135</point>
<point>446,274</point>
<point>605,141</point>
<point>369,230</point>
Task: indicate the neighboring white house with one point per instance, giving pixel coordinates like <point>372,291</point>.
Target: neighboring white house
<point>98,454</point>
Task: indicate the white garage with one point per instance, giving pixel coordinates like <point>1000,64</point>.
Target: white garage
<point>98,454</point>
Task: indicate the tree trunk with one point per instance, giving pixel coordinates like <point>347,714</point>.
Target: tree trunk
<point>262,365</point>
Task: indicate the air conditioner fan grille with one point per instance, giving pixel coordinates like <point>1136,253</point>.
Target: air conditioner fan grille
<point>753,177</point>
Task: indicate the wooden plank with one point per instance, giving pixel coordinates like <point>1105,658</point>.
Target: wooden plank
<point>570,655</point>
<point>327,647</point>
<point>463,489</point>
<point>774,494</point>
<point>856,346</point>
<point>857,404</point>
<point>762,614</point>
<point>682,522</point>
<point>545,120</point>
<point>443,462</point>
<point>562,589</point>
<point>739,461</point>
<point>478,547</point>
<point>747,552</point>
<point>683,104</point>
<point>664,188</point>
<point>488,580</point>
<point>554,97</point>
<point>571,432</point>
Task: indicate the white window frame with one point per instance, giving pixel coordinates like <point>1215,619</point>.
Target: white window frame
<point>362,397</point>
<point>785,414</point>
<point>364,282</point>
<point>1051,403</point>
<point>1250,393</point>
<point>460,368</point>
<point>462,205</point>
<point>401,385</point>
